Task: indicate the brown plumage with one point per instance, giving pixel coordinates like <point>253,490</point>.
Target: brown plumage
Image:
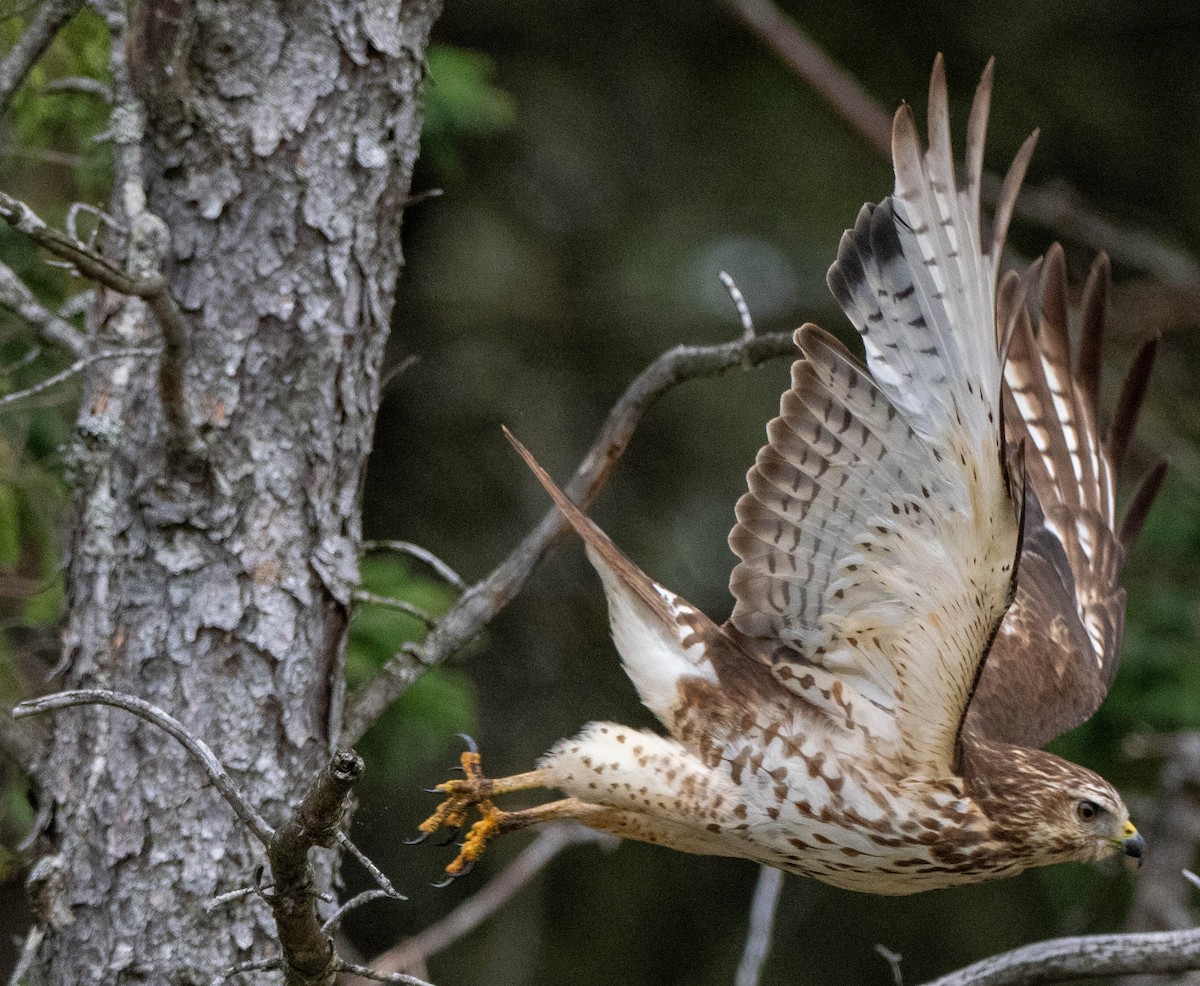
<point>927,587</point>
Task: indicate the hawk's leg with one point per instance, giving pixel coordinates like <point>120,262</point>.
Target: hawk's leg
<point>475,791</point>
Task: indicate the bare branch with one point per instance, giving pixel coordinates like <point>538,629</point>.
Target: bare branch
<point>308,954</point>
<point>128,122</point>
<point>53,381</point>
<point>465,918</point>
<point>150,287</point>
<point>255,965</point>
<point>151,713</point>
<point>1083,957</point>
<point>364,861</point>
<point>46,23</point>
<point>371,975</point>
<point>374,599</point>
<point>73,84</point>
<point>893,959</point>
<point>762,926</point>
<point>423,555</point>
<point>221,900</point>
<point>44,155</point>
<point>1051,208</point>
<point>358,900</point>
<point>16,296</point>
<point>483,601</point>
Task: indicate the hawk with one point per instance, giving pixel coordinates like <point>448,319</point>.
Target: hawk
<point>928,585</point>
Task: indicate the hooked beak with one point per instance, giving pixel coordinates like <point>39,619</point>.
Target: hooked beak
<point>1133,844</point>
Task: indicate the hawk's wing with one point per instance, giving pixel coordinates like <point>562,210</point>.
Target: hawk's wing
<point>878,538</point>
<point>1058,647</point>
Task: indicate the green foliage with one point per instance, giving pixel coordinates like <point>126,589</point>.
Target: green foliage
<point>461,102</point>
<point>51,135</point>
<point>439,704</point>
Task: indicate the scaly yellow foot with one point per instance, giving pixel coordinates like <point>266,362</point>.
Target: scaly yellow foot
<point>472,791</point>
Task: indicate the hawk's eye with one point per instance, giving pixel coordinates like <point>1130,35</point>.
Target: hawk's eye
<point>1087,810</point>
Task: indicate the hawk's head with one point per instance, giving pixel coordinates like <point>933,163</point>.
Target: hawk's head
<point>1049,808</point>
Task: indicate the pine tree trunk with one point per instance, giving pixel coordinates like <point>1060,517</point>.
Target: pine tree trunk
<point>280,140</point>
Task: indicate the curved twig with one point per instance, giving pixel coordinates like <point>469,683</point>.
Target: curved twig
<point>423,555</point>
<point>169,724</point>
<point>479,604</point>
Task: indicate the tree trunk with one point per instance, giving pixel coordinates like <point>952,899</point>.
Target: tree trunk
<point>279,145</point>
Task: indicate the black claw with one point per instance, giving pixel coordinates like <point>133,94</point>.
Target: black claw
<point>441,884</point>
<point>452,834</point>
<point>472,746</point>
<point>467,868</point>
<point>432,790</point>
<point>417,839</point>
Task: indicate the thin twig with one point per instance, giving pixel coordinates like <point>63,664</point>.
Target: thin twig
<point>16,296</point>
<point>425,196</point>
<point>401,368</point>
<point>255,965</point>
<point>484,600</point>
<point>365,972</point>
<point>356,901</point>
<point>151,713</point>
<point>364,861</point>
<point>893,959</point>
<point>1051,208</point>
<point>221,900</point>
<point>1083,957</point>
<point>465,918</point>
<point>374,599</point>
<point>45,155</point>
<point>423,555</point>
<point>102,219</point>
<point>73,84</point>
<point>53,381</point>
<point>761,926</point>
<point>739,302</point>
<point>46,23</point>
<point>77,304</point>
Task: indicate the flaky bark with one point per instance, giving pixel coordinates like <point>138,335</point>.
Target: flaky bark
<point>217,504</point>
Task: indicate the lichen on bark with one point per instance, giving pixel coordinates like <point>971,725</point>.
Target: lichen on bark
<point>278,150</point>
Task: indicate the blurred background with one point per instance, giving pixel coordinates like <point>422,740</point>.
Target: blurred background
<point>599,164</point>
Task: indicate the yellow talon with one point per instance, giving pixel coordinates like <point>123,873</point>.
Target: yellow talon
<point>473,791</point>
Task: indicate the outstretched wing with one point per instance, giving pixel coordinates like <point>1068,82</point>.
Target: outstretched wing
<point>1058,646</point>
<point>878,537</point>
